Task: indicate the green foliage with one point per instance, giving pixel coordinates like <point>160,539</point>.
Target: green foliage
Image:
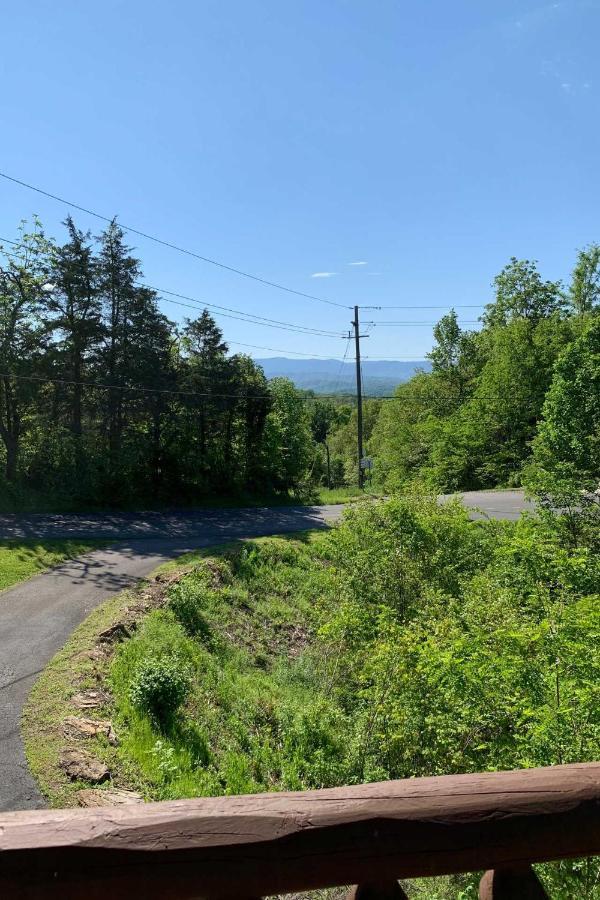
<point>566,451</point>
<point>343,444</point>
<point>469,423</point>
<point>186,602</point>
<point>288,443</point>
<point>521,294</point>
<point>585,284</point>
<point>19,559</point>
<point>104,401</point>
<point>160,686</point>
<point>407,641</point>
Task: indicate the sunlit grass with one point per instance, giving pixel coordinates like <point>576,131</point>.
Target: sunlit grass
<point>20,559</point>
<point>346,494</point>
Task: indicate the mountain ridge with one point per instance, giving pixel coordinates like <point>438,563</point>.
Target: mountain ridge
<point>334,376</point>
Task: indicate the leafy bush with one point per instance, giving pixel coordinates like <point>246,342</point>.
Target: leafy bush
<point>407,641</point>
<point>185,601</point>
<point>160,686</point>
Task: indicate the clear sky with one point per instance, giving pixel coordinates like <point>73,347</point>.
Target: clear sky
<point>429,141</point>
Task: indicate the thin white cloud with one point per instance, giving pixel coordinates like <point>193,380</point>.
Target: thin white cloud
<point>359,262</point>
<point>322,274</point>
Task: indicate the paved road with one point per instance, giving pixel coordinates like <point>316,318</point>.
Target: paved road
<point>37,616</point>
<point>493,504</point>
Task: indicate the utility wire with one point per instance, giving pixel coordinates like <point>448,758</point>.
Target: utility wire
<point>226,309</point>
<point>154,390</point>
<point>137,388</point>
<point>448,306</point>
<point>323,356</point>
<point>292,352</point>
<point>289,326</point>
<point>295,330</point>
<point>408,324</point>
<point>339,374</point>
<point>269,323</point>
<point>150,237</point>
<point>248,317</point>
<point>422,358</point>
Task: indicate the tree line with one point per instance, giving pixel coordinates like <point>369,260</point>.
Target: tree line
<point>104,400</point>
<point>502,403</point>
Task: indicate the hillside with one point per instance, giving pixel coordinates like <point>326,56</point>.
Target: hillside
<point>275,664</point>
<point>331,376</point>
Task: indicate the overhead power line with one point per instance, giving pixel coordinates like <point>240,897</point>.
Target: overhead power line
<point>300,329</point>
<point>402,306</point>
<point>280,350</point>
<point>147,389</point>
<point>135,388</point>
<point>227,311</point>
<point>192,253</point>
<point>447,306</point>
<point>248,317</point>
<point>408,324</point>
<point>341,369</point>
<point>323,356</point>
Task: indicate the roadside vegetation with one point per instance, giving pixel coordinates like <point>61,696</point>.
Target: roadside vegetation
<point>345,494</point>
<point>106,402</point>
<point>20,559</point>
<point>407,641</point>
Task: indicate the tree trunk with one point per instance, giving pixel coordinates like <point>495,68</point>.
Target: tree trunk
<point>77,395</point>
<point>156,452</point>
<point>10,429</point>
<point>11,443</point>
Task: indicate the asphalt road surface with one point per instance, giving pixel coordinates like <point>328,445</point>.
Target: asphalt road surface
<point>37,616</point>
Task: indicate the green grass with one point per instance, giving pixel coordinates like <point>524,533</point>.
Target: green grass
<point>345,495</point>
<point>259,716</point>
<point>249,655</point>
<point>20,559</point>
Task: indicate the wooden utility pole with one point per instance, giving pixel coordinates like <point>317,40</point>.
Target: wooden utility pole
<point>359,410</point>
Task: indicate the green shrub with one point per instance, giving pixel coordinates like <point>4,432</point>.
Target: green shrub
<point>159,687</point>
<point>407,641</point>
<point>185,601</point>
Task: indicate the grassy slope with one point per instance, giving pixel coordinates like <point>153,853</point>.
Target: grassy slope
<point>261,714</point>
<point>253,669</point>
<point>249,659</point>
<point>20,559</point>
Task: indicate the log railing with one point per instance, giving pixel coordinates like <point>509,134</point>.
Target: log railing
<point>370,835</point>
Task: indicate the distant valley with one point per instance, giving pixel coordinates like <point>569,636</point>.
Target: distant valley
<point>327,376</point>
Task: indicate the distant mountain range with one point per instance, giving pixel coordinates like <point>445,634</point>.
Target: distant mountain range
<point>328,376</point>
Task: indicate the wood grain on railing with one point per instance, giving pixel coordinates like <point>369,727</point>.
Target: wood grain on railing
<point>252,846</point>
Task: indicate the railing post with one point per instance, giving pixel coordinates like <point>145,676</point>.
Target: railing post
<point>506,884</point>
<point>376,890</point>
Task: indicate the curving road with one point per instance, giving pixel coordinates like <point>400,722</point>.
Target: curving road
<point>37,616</point>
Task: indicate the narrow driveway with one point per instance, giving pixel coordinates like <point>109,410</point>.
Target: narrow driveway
<point>37,616</point>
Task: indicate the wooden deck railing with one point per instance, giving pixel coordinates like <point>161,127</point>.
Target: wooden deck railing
<point>248,847</point>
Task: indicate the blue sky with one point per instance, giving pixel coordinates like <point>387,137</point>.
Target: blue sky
<point>430,141</point>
